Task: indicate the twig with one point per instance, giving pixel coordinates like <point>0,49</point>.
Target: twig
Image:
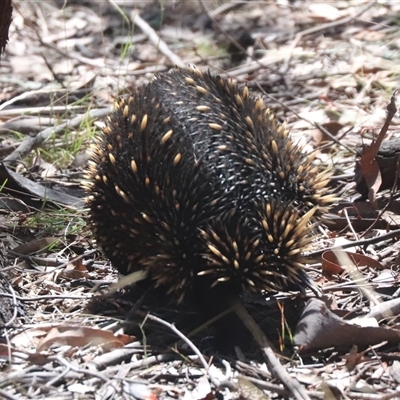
<point>46,297</point>
<point>275,366</point>
<point>15,308</point>
<point>320,28</point>
<point>30,143</point>
<point>117,356</point>
<point>83,371</point>
<point>7,395</point>
<point>223,8</point>
<point>364,242</point>
<point>27,95</point>
<point>156,40</point>
<point>48,262</point>
<point>349,224</point>
<point>174,329</point>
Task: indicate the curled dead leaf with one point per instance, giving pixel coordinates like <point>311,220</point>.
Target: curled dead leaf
<point>332,264</point>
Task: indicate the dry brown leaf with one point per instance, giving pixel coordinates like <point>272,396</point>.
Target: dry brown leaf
<point>332,265</point>
<point>319,328</point>
<point>75,271</point>
<point>370,170</point>
<point>78,336</point>
<point>73,274</point>
<point>354,358</point>
<point>77,266</point>
<point>29,338</point>
<point>34,246</point>
<point>369,167</point>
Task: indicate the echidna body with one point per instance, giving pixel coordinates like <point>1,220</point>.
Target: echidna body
<point>194,182</point>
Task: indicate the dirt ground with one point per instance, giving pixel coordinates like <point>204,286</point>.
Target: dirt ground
<point>330,70</point>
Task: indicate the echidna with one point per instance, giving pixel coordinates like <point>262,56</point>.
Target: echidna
<point>194,181</point>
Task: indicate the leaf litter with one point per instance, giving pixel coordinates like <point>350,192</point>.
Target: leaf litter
<point>329,69</point>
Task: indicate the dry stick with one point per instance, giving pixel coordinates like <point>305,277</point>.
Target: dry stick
<point>27,95</point>
<point>50,262</point>
<point>156,40</point>
<point>274,365</point>
<point>323,27</point>
<point>116,356</point>
<point>46,110</point>
<point>74,56</point>
<point>182,336</point>
<point>77,369</point>
<point>349,224</point>
<point>364,242</point>
<point>189,343</point>
<point>15,304</point>
<point>46,297</point>
<point>32,142</point>
<point>223,8</point>
<point>391,112</point>
<point>6,395</point>
<point>368,396</point>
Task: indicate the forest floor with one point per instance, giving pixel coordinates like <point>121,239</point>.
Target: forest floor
<point>329,69</point>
